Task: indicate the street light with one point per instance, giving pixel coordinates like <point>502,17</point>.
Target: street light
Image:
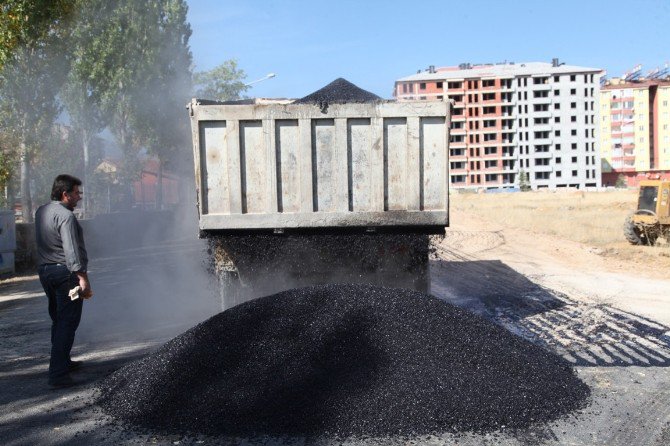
<point>267,76</point>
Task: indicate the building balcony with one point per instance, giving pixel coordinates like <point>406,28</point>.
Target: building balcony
<point>540,114</point>
<point>542,127</point>
<point>540,87</point>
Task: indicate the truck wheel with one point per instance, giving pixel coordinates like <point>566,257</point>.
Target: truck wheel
<point>636,236</point>
<point>631,232</point>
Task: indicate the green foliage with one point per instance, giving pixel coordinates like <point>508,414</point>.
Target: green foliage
<point>63,153</point>
<point>23,23</point>
<point>136,63</point>
<point>223,83</point>
<point>29,84</point>
<point>621,182</point>
<point>7,168</point>
<point>524,183</point>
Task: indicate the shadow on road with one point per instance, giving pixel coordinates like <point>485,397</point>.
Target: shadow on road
<point>584,334</point>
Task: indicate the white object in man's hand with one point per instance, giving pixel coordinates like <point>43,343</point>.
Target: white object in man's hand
<point>74,293</point>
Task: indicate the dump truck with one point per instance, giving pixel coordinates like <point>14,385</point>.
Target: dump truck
<point>292,194</point>
<point>651,219</point>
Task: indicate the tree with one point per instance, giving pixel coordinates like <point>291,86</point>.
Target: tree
<point>621,181</point>
<point>25,22</point>
<point>28,107</point>
<point>31,37</point>
<point>7,163</point>
<point>524,183</point>
<point>136,55</point>
<point>163,124</point>
<point>223,83</point>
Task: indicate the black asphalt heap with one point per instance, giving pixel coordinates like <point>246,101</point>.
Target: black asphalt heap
<point>343,360</point>
<point>340,91</point>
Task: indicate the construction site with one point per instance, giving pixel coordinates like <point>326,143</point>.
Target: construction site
<point>330,290</point>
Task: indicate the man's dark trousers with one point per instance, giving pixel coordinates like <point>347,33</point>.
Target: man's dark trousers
<point>65,314</point>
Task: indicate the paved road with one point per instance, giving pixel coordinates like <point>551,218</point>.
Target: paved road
<point>147,295</point>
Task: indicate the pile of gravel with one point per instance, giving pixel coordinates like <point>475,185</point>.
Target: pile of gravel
<point>340,91</point>
<point>343,360</point>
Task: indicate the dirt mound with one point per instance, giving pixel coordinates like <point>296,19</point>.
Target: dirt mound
<point>340,91</point>
<point>343,360</point>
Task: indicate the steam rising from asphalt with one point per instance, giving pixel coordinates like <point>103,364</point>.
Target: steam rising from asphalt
<point>152,289</point>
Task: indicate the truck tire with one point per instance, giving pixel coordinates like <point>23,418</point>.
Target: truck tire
<point>631,232</point>
<point>635,236</point>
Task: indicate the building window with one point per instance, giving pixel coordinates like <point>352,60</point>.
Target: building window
<point>573,118</point>
<point>558,174</point>
<point>557,106</point>
<point>422,86</point>
<point>439,85</point>
<point>440,97</point>
<point>574,146</point>
<point>573,132</point>
<point>557,133</point>
<point>573,105</point>
<point>574,159</point>
<point>488,83</point>
<point>557,92</point>
<point>573,77</point>
<point>423,98</point>
<point>558,160</point>
<point>557,79</point>
<point>574,173</point>
<point>573,91</point>
<point>558,147</point>
<point>557,119</point>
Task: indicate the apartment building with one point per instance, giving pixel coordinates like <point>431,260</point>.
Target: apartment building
<point>535,118</point>
<point>635,130</point>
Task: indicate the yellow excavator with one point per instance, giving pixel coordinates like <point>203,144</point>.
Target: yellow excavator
<point>651,220</point>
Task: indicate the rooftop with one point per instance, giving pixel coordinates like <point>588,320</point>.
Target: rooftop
<point>618,83</point>
<point>500,70</point>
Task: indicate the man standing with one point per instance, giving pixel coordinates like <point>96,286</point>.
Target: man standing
<point>62,267</point>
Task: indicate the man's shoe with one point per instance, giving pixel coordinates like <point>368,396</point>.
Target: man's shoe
<point>74,365</point>
<point>65,381</point>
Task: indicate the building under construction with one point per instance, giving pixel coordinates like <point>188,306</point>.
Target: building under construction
<point>512,120</point>
<point>635,127</point>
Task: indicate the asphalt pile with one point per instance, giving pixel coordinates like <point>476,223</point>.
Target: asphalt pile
<point>343,361</point>
<point>340,91</point>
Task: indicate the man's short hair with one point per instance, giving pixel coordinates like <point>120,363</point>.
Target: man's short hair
<point>63,183</point>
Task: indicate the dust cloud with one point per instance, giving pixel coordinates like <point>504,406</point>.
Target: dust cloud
<point>149,274</point>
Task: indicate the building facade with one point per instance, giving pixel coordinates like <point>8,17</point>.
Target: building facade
<point>635,130</point>
<point>537,120</point>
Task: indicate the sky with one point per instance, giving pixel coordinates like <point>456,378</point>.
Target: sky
<point>371,43</point>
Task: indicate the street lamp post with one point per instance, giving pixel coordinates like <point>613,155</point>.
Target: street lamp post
<point>266,77</point>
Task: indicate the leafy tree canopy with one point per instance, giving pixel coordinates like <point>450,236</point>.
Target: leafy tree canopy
<point>24,22</point>
<point>223,83</point>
